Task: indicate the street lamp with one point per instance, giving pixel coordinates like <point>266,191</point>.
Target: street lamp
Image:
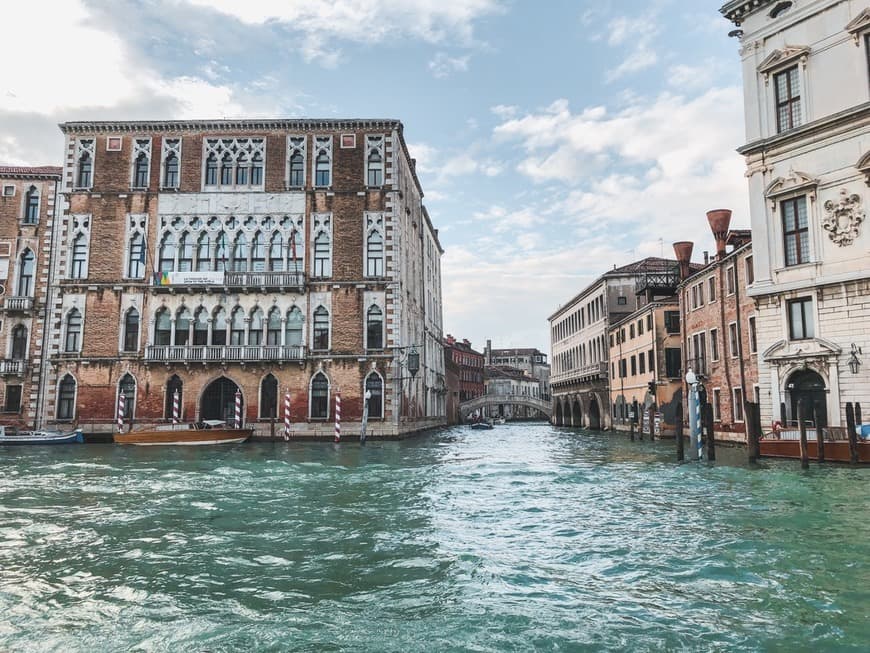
<point>854,361</point>
<point>413,362</point>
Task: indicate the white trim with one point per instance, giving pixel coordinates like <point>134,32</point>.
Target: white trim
<point>109,140</point>
<point>715,349</point>
<point>127,420</point>
<point>215,145</point>
<point>322,144</point>
<point>165,151</point>
<point>300,146</point>
<point>383,392</point>
<point>734,347</point>
<point>75,398</point>
<point>352,138</point>
<point>65,329</point>
<point>6,187</point>
<point>735,403</point>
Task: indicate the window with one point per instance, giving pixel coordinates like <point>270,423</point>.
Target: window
<point>211,170</point>
<point>750,273</point>
<point>257,169</point>
<point>200,327</point>
<point>788,99</point>
<point>185,252</point>
<point>219,328</point>
<point>273,327</point>
<point>66,398</point>
<point>276,253</point>
<point>730,279</point>
<point>322,255</point>
<point>269,397</point>
<point>293,328</point>
<point>19,343</point>
<point>114,144</point>
<point>737,407</point>
<point>171,162</point>
<point>296,162</point>
<point>166,256</point>
<point>26,272</point>
<point>240,254</point>
<point>714,344</point>
<point>711,289</point>
<point>673,362</point>
<point>234,163</point>
<point>203,253</point>
<point>375,386</point>
<point>753,341</point>
<point>173,387</point>
<point>621,301</point>
<point>127,387</point>
<point>717,405</point>
<point>31,206</point>
<point>634,365</point>
<point>672,322</point>
<point>72,342</point>
<point>323,161</point>
<point>650,360</point>
<point>237,326</point>
<point>131,330</point>
<point>631,331</point>
<point>321,170</point>
<point>375,255</point>
<point>795,231</point>
<point>140,171</point>
<point>800,319</point>
<point>733,341</point>
<point>641,365</point>
<point>162,327</point>
<point>85,168</point>
<point>255,328</point>
<point>8,190</point>
<point>319,397</point>
<point>258,253</point>
<point>79,258</point>
<point>375,328</point>
<point>182,327</point>
<point>136,257</point>
<point>321,329</point>
<point>375,161</point>
<point>13,399</point>
<point>649,322</point>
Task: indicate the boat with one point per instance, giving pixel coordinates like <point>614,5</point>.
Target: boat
<point>482,426</point>
<point>40,436</point>
<point>210,431</point>
<point>785,443</point>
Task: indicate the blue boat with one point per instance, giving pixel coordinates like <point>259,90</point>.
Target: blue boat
<point>41,436</point>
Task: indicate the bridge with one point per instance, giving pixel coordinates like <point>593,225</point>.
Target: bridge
<point>466,408</point>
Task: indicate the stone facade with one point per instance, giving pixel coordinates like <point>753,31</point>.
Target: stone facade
<point>532,361</point>
<point>258,257</point>
<point>806,73</point>
<point>466,381</point>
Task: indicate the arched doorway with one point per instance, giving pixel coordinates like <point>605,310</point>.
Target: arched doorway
<point>219,400</point>
<point>557,414</point>
<point>809,386</point>
<point>594,415</point>
<point>578,413</point>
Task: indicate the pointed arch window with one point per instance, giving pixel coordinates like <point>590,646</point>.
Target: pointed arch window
<point>73,340</point>
<point>127,386</point>
<point>293,328</point>
<point>85,169</point>
<point>322,170</point>
<point>375,254</point>
<point>173,386</point>
<point>242,170</point>
<point>258,253</point>
<point>200,327</point>
<point>182,326</point>
<point>227,169</point>
<point>167,253</point>
<point>257,169</point>
<point>170,171</point>
<point>294,246</point>
<point>185,252</point>
<point>220,252</point>
<point>322,255</point>
<point>79,257</point>
<point>140,171</point>
<point>136,256</point>
<point>273,327</point>
<point>66,398</point>
<point>19,343</point>
<point>376,169</point>
<point>375,328</point>
<point>162,327</point>
<point>255,328</point>
<point>297,170</point>
<point>31,206</point>
<point>219,327</point>
<point>237,327</point>
<point>268,397</point>
<point>131,330</point>
<point>26,272</point>
<point>375,385</point>
<point>240,254</point>
<point>211,170</point>
<point>321,329</point>
<point>203,253</point>
<point>319,396</point>
<point>276,253</point>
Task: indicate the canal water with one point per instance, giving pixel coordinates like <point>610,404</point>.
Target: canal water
<point>524,538</point>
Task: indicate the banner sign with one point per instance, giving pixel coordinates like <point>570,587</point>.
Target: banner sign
<point>188,278</point>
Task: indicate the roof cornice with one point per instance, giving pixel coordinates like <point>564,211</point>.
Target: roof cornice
<point>736,10</point>
<point>265,124</point>
<point>29,172</point>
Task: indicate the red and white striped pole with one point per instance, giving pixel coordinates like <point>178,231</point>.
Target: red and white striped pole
<point>176,408</point>
<point>238,409</point>
<point>122,402</point>
<point>337,415</point>
<point>287,416</point>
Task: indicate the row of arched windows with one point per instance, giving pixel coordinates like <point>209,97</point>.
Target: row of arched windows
<point>215,254</point>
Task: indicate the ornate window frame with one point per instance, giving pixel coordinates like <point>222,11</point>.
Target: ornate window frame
<point>322,145</point>
<point>859,24</point>
<point>141,147</point>
<point>781,189</point>
<point>321,223</point>
<point>373,222</point>
<point>375,144</point>
<point>779,61</point>
<point>170,146</point>
<point>79,225</point>
<point>230,149</point>
<point>84,146</point>
<point>296,144</point>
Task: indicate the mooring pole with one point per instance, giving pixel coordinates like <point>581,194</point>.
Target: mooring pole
<point>694,423</point>
<point>365,417</point>
<point>853,437</point>
<point>802,426</point>
<point>708,426</point>
<point>678,434</point>
<point>631,426</point>
<point>652,424</point>
<point>820,436</point>
<point>753,429</point>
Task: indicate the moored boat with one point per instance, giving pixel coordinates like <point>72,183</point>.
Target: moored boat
<point>197,433</point>
<point>785,443</point>
<point>482,425</point>
<point>40,436</point>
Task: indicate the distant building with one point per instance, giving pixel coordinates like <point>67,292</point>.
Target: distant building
<point>532,361</point>
<point>464,374</point>
<point>503,380</point>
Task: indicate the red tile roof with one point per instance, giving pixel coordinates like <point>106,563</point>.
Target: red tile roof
<point>31,171</point>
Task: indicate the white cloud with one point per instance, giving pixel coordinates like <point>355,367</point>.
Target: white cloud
<point>639,33</point>
<point>443,65</point>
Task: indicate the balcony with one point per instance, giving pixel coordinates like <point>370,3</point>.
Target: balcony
<point>174,281</point>
<point>659,283</point>
<point>586,373</point>
<point>9,367</point>
<point>18,304</point>
<point>223,353</point>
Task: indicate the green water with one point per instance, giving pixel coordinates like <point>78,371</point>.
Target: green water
<point>524,538</point>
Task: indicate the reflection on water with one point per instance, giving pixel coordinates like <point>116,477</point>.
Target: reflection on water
<point>521,538</point>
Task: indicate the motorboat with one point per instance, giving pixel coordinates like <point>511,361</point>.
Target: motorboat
<point>482,425</point>
<point>785,443</point>
<point>40,436</point>
<point>210,431</point>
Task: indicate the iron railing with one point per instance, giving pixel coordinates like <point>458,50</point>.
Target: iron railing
<point>223,353</point>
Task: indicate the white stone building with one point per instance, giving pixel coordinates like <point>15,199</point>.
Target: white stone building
<point>806,72</point>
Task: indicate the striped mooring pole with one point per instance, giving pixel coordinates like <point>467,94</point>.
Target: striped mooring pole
<point>238,409</point>
<point>696,443</point>
<point>338,415</point>
<point>122,402</point>
<point>176,408</point>
<point>287,416</point>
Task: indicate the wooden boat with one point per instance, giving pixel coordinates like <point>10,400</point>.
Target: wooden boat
<point>482,426</point>
<point>785,443</point>
<point>210,431</point>
<point>40,436</point>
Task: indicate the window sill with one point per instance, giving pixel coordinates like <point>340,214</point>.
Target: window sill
<point>797,266</point>
<point>29,224</point>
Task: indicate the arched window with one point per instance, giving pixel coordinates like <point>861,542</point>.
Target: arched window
<point>258,253</point>
<point>294,245</point>
<point>375,328</point>
<point>268,397</point>
<point>237,327</point>
<point>173,386</point>
<point>255,328</point>
<point>127,385</point>
<point>276,253</point>
<point>131,330</point>
<point>273,327</point>
<point>140,171</point>
<point>200,327</point>
<point>319,396</point>
<point>26,272</point>
<point>220,252</point>
<point>31,206</point>
<point>293,328</point>
<point>79,258</point>
<point>19,343</point>
<point>185,252</point>
<point>86,166</point>
<point>170,171</point>
<point>227,169</point>
<point>167,253</point>
<point>203,253</point>
<point>375,254</point>
<point>375,385</point>
<point>322,262</point>
<point>182,326</point>
<point>219,327</point>
<point>242,170</point>
<point>162,327</point>
<point>297,170</point>
<point>240,253</point>
<point>73,341</point>
<point>322,169</point>
<point>136,256</point>
<point>211,170</point>
<point>376,169</point>
<point>257,169</point>
<point>66,398</point>
<point>321,329</point>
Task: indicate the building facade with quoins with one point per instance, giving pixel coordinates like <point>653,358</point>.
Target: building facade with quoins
<point>249,258</point>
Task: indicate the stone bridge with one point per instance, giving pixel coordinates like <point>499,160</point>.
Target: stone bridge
<point>493,401</point>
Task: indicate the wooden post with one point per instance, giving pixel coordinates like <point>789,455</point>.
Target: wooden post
<point>853,437</point>
<point>802,425</point>
<point>678,434</point>
<point>631,426</point>
<point>708,426</point>
<point>753,428</point>
<point>640,424</point>
<point>652,424</point>
<point>820,437</point>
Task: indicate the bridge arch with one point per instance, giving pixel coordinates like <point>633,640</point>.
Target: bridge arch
<point>578,413</point>
<point>594,414</point>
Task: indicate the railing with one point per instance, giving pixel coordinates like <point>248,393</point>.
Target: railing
<point>830,434</point>
<point>266,279</point>
<point>221,353</point>
<point>596,369</point>
<point>14,367</point>
<point>18,304</point>
<point>661,280</point>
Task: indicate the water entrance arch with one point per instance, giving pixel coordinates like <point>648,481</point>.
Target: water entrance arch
<point>219,400</point>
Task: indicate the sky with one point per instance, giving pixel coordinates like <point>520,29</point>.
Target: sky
<point>553,139</point>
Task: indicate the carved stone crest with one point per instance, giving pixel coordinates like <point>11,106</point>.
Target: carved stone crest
<point>843,218</point>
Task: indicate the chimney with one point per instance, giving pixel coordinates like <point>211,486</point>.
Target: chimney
<point>683,250</point>
<point>706,257</point>
<point>488,352</point>
<point>719,221</point>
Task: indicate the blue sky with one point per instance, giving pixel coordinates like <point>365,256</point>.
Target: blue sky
<point>552,143</point>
